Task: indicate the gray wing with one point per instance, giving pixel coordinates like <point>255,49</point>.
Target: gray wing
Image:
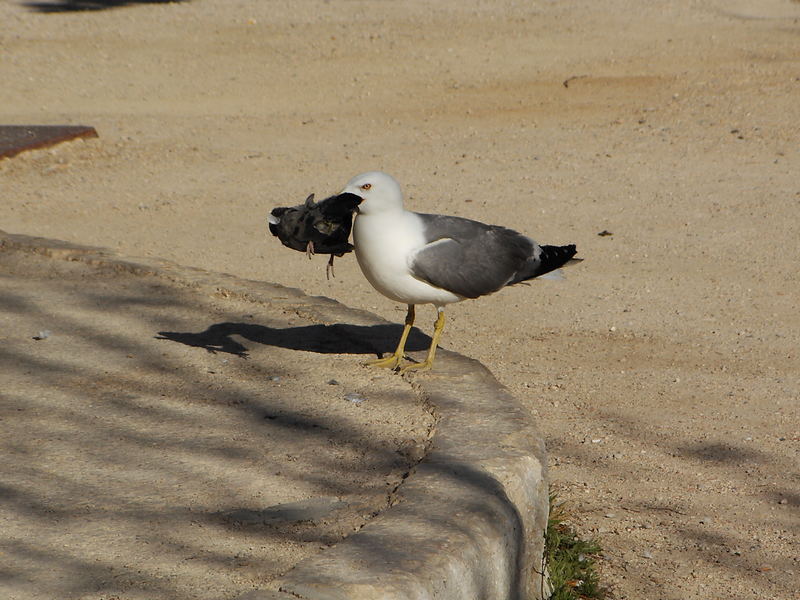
<point>470,258</point>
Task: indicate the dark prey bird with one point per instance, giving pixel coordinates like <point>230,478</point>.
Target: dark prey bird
<point>316,227</point>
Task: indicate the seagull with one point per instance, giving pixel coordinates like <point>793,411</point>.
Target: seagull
<point>416,258</point>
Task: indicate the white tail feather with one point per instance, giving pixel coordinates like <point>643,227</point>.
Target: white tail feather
<point>557,275</point>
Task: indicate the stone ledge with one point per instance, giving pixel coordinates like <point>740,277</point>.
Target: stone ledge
<point>469,520</point>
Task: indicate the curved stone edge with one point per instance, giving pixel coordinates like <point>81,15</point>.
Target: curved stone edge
<point>469,520</point>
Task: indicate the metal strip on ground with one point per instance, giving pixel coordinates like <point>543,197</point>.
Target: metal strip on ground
<point>19,138</point>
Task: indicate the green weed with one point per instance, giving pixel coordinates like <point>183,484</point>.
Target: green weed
<point>570,560</point>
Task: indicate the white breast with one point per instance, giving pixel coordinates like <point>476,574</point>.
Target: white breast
<point>384,244</point>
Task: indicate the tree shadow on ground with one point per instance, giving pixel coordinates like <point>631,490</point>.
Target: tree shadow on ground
<point>89,5</point>
<point>134,466</point>
<point>688,520</point>
<point>120,450</point>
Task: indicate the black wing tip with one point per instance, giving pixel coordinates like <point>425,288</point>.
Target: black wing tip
<point>555,257</point>
<point>568,251</point>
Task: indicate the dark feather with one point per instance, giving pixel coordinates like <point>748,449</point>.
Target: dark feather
<point>322,228</point>
<point>550,258</point>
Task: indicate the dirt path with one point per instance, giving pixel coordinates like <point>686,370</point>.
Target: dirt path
<point>664,371</point>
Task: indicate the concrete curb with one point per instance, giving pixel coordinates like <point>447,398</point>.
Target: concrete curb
<point>469,520</point>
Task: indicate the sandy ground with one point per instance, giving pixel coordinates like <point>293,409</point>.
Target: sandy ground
<point>163,442</point>
<point>664,371</point>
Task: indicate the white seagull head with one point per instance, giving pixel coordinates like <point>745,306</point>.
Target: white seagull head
<point>380,192</point>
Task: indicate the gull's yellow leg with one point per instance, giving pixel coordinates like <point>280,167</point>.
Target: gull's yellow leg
<point>392,361</point>
<point>428,362</point>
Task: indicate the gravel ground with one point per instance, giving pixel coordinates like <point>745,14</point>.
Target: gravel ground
<point>664,371</point>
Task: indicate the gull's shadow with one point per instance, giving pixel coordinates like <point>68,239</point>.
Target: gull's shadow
<point>87,5</point>
<point>325,339</point>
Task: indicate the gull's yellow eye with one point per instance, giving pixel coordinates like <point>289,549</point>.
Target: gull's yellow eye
<point>366,186</point>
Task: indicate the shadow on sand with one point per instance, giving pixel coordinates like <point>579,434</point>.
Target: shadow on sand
<point>323,339</point>
<point>89,5</point>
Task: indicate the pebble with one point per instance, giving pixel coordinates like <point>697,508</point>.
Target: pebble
<point>43,335</point>
<point>783,501</point>
<point>609,515</point>
<point>332,382</point>
<point>274,378</point>
<point>354,397</point>
<point>764,568</point>
<point>705,520</point>
<point>647,554</point>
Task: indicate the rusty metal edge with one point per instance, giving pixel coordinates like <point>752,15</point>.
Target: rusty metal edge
<point>68,132</point>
